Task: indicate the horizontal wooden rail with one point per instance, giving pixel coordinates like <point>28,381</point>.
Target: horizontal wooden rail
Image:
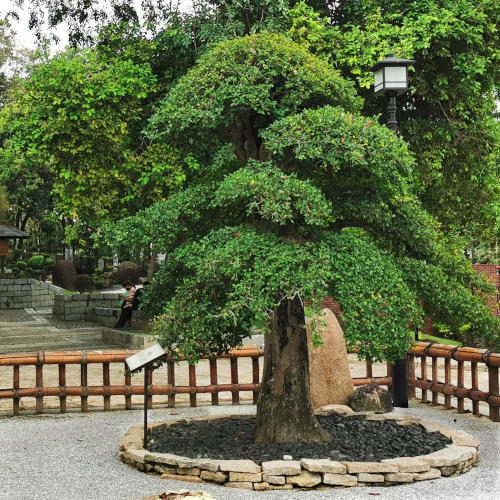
<point>120,390</point>
<point>462,355</point>
<point>86,357</point>
<point>376,380</point>
<point>456,353</point>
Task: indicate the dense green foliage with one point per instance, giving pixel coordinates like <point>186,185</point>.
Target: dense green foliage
<point>72,144</point>
<point>266,142</point>
<point>4,204</point>
<point>236,89</point>
<point>36,262</point>
<point>317,201</point>
<point>448,116</point>
<point>72,118</point>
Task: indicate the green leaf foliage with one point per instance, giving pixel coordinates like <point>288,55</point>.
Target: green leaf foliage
<point>256,77</point>
<point>448,115</point>
<point>237,275</point>
<point>272,195</point>
<point>36,262</point>
<point>69,124</point>
<point>4,204</point>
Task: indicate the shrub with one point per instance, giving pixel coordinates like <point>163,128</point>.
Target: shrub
<point>21,265</point>
<point>14,254</point>
<point>99,283</point>
<point>34,272</point>
<point>49,263</point>
<point>36,262</point>
<point>83,283</point>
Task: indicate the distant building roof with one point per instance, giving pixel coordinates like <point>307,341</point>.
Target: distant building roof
<point>12,232</point>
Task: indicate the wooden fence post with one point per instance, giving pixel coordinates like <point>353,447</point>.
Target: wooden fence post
<point>62,387</point>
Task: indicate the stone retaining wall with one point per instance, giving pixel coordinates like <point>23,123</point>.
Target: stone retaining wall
<point>77,306</point>
<point>130,340</point>
<point>19,293</point>
<point>453,460</point>
<point>103,308</point>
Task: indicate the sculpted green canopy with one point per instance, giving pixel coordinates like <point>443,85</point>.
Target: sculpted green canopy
<point>309,200</point>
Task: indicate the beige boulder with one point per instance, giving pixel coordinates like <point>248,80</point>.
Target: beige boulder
<point>305,479</point>
<point>281,468</point>
<point>326,411</point>
<point>331,381</point>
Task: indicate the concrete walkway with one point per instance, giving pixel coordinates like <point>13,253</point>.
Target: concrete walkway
<point>73,457</point>
<point>32,330</point>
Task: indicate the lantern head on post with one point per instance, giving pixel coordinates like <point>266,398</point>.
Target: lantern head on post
<point>391,75</point>
<point>391,78</point>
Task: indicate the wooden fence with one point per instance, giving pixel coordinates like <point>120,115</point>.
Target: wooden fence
<point>127,389</point>
<point>419,354</point>
<point>440,381</point>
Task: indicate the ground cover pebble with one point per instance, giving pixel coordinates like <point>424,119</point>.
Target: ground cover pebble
<point>354,440</point>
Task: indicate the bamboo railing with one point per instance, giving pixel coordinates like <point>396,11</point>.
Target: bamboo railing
<point>419,353</point>
<point>478,358</point>
<point>127,389</point>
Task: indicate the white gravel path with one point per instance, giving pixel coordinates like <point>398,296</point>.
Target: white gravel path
<point>75,456</point>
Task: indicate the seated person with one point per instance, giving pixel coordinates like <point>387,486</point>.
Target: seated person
<point>127,299</point>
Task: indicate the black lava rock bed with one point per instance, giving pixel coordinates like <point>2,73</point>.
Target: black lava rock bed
<point>354,440</point>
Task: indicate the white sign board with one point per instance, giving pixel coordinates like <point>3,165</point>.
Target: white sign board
<point>144,357</point>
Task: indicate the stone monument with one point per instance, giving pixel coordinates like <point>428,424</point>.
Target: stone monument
<point>329,372</point>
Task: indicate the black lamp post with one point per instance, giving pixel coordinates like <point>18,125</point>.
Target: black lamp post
<point>391,79</point>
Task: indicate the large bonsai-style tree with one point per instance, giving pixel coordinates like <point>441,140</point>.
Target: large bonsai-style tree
<point>297,197</point>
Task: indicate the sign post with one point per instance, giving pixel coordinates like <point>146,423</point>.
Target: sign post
<point>146,371</point>
<point>145,359</point>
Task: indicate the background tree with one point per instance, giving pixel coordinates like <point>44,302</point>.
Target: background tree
<point>448,118</point>
<point>6,54</point>
<point>72,138</point>
<point>317,200</point>
<point>448,115</point>
<point>212,20</point>
<point>4,204</point>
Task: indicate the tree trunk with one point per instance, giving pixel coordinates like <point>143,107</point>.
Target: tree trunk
<point>284,411</point>
<point>152,264</point>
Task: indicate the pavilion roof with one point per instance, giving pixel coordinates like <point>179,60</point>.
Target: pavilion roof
<point>12,232</point>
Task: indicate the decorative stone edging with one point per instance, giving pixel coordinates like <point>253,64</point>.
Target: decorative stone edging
<point>453,460</point>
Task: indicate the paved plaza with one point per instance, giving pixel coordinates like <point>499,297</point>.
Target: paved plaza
<point>32,330</point>
<point>75,457</point>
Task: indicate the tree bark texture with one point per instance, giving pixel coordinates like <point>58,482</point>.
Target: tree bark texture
<point>284,411</point>
<point>246,142</point>
<point>152,265</point>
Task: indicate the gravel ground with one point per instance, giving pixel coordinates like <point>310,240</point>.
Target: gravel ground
<point>75,457</point>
